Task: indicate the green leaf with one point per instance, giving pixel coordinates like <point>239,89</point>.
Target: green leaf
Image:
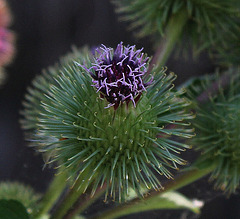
<point>11,209</point>
<point>168,200</point>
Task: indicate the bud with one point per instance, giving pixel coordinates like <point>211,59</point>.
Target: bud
<point>218,137</point>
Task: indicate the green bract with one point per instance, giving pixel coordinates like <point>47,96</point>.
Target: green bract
<point>218,132</point>
<point>203,18</point>
<point>68,121</point>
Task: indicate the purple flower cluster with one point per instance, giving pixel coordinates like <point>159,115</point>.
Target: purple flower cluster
<point>118,75</point>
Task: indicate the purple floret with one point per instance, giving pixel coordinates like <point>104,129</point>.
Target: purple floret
<point>118,75</point>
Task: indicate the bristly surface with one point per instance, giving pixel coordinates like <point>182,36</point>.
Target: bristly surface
<point>218,132</point>
<point>206,18</point>
<point>122,147</point>
<point>228,52</point>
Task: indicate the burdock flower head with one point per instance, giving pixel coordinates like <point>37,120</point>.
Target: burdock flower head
<point>106,122</point>
<point>118,74</point>
<point>201,20</point>
<point>217,125</point>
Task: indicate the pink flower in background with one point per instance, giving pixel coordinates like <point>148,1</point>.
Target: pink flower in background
<point>5,15</point>
<point>6,46</point>
<point>6,36</point>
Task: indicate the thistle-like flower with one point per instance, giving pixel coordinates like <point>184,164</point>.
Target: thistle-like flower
<point>204,19</point>
<point>218,135</point>
<point>118,75</point>
<point>102,119</point>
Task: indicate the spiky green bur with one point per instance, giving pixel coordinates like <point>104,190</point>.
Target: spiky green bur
<point>228,52</point>
<point>20,192</point>
<point>118,147</point>
<point>205,18</point>
<point>218,133</point>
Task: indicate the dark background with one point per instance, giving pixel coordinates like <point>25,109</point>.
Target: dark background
<point>46,30</point>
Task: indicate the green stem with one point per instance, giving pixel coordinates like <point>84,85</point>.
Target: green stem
<point>183,180</point>
<point>172,34</point>
<point>74,193</point>
<point>84,203</point>
<point>54,191</point>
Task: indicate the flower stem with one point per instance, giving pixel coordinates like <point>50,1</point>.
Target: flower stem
<point>172,34</point>
<point>84,203</point>
<point>54,191</point>
<point>72,196</point>
<point>183,180</point>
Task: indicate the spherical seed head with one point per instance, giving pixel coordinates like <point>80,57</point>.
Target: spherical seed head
<point>118,147</point>
<point>217,125</point>
<point>118,74</point>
